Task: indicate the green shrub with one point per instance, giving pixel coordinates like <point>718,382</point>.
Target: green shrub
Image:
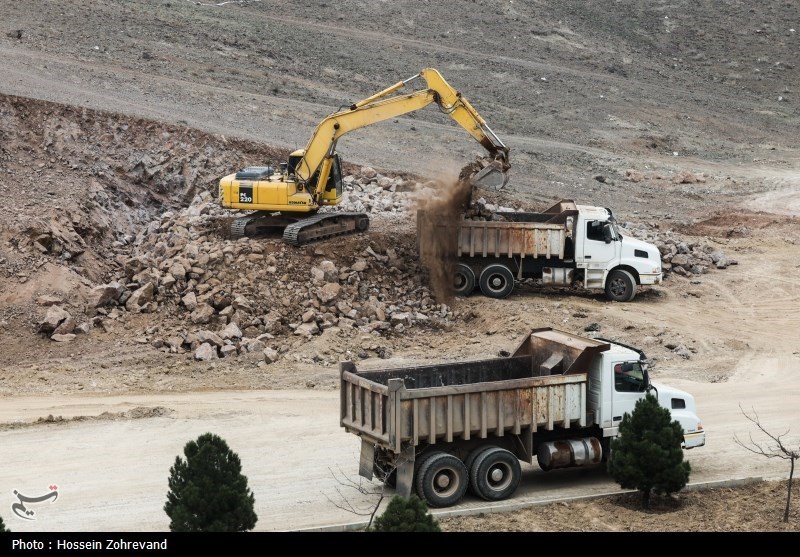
<point>207,491</point>
<point>647,454</point>
<point>406,514</point>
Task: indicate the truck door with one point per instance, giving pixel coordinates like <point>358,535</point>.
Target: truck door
<point>630,385</point>
<point>598,246</point>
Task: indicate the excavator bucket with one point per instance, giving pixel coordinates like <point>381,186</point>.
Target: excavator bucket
<point>491,176</point>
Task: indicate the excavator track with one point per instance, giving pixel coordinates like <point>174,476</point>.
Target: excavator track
<point>298,230</point>
<point>323,226</point>
<point>238,227</point>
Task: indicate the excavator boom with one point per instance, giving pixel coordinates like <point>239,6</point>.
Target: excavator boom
<point>380,107</point>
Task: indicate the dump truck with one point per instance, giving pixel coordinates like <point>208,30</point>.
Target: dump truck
<point>566,245</point>
<point>442,430</point>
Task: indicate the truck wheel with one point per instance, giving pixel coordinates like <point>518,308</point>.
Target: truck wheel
<point>620,286</point>
<point>470,460</point>
<point>496,281</point>
<point>463,280</point>
<point>441,480</point>
<point>495,474</point>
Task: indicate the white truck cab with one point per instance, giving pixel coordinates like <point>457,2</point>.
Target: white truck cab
<point>619,379</point>
<point>611,260</point>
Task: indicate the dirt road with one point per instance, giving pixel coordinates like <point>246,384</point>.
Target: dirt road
<point>112,473</point>
<point>301,465</point>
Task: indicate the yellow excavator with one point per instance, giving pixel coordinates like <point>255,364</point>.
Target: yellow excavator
<point>290,196</point>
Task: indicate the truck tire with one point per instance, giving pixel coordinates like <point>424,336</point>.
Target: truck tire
<point>470,460</point>
<point>620,286</point>
<point>496,281</point>
<point>463,280</point>
<point>495,474</point>
<point>441,480</point>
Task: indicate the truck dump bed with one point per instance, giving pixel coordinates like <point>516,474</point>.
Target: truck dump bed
<point>543,384</point>
<point>515,235</point>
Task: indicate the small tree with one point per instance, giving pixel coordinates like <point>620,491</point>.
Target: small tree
<point>647,455</point>
<point>406,514</point>
<point>777,449</point>
<point>3,526</point>
<point>207,491</point>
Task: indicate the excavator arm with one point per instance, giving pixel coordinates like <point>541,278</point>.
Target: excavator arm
<point>320,149</point>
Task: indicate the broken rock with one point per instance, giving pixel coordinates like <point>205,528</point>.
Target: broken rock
<point>55,315</point>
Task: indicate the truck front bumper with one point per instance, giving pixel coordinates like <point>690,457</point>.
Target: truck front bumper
<point>651,278</point>
<point>692,440</point>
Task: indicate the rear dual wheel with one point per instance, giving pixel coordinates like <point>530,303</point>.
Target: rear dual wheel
<point>495,474</point>
<point>497,281</point>
<point>463,280</point>
<point>441,480</point>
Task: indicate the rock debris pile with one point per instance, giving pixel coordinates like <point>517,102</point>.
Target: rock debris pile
<point>124,208</point>
<point>248,296</point>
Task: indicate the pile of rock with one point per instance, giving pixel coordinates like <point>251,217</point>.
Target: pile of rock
<point>244,296</point>
<point>227,298</point>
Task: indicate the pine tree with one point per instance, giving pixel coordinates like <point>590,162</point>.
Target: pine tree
<point>647,455</point>
<point>207,491</point>
<point>406,514</point>
<point>3,526</point>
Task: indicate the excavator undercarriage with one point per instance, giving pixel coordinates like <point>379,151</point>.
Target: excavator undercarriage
<point>298,229</point>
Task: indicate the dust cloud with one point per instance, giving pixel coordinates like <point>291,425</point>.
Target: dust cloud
<point>440,205</point>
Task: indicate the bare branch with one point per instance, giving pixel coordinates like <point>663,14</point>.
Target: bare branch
<point>779,450</point>
<point>369,509</point>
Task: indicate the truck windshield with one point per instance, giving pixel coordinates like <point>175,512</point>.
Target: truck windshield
<point>629,377</point>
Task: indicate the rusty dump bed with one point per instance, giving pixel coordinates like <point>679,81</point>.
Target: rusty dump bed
<point>509,234</point>
<point>541,385</point>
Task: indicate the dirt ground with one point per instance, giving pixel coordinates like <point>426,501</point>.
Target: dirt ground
<point>753,508</point>
<point>675,114</point>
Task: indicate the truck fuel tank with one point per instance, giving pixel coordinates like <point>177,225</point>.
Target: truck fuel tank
<point>566,453</point>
